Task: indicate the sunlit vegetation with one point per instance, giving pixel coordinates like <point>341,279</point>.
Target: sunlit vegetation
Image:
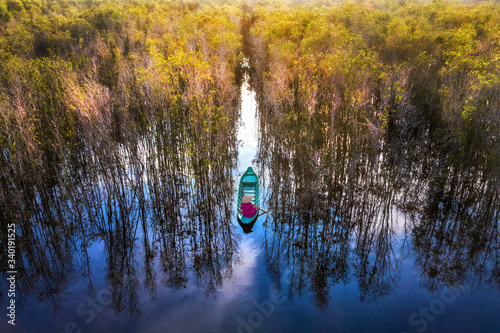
<point>76,76</point>
<point>425,73</point>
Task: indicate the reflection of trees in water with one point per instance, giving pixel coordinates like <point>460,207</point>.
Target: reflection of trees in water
<point>332,213</point>
<point>337,211</point>
<point>164,195</point>
<point>194,221</point>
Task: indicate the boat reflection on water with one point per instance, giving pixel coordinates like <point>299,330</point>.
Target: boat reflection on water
<point>247,227</point>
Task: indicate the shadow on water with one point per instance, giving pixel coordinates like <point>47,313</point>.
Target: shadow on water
<point>247,227</point>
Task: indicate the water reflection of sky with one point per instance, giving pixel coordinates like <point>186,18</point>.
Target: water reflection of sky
<point>247,132</point>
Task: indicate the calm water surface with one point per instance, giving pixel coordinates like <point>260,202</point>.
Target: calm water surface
<point>357,247</point>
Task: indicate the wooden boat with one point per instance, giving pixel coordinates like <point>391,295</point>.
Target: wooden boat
<point>249,185</point>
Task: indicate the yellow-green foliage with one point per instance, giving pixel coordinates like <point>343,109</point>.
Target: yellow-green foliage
<point>360,70</point>
<point>76,72</point>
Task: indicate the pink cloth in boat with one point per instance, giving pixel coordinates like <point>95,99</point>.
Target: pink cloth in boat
<point>248,209</point>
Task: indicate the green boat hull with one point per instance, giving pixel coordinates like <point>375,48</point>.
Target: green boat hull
<point>249,185</point>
